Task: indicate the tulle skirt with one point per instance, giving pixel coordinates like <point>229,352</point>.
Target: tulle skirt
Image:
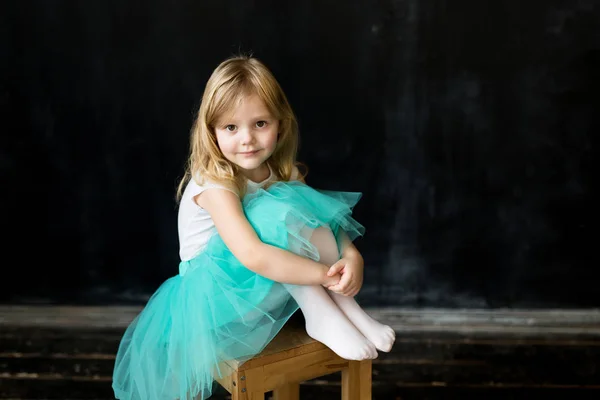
<point>217,310</point>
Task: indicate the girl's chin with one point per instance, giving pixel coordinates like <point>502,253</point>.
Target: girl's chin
<point>249,166</point>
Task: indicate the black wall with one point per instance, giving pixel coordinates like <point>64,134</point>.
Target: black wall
<point>468,125</point>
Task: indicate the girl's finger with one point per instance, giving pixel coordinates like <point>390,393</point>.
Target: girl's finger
<point>336,288</point>
<point>336,268</point>
<point>353,290</point>
<point>345,282</point>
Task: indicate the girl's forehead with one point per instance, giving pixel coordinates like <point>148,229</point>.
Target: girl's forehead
<point>244,105</point>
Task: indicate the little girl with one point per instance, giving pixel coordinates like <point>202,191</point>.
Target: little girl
<point>256,244</point>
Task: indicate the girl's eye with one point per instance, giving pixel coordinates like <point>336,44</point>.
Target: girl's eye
<point>230,128</point>
<point>261,124</point>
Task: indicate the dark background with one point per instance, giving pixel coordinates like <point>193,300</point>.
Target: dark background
<point>467,124</point>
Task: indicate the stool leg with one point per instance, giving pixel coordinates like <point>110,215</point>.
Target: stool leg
<point>241,395</point>
<point>290,391</point>
<point>247,385</point>
<point>356,380</point>
<point>366,376</point>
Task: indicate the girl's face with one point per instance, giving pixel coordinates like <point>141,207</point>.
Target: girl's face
<point>248,136</point>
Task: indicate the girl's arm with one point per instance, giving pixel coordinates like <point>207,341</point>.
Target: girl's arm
<point>269,261</point>
<point>348,248</point>
<point>351,267</point>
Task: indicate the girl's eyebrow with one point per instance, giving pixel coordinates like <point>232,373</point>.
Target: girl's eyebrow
<point>233,121</point>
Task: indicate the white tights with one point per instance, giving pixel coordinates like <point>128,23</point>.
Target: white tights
<point>337,320</point>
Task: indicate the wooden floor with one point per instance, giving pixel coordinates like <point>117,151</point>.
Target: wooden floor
<point>51,352</point>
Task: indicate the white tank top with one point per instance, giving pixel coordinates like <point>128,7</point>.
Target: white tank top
<point>195,225</point>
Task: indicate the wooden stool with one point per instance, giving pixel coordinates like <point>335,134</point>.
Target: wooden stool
<point>292,357</point>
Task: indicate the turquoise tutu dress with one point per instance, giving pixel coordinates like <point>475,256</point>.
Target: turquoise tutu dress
<point>215,309</point>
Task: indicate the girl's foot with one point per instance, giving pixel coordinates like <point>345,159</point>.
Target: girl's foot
<point>326,323</point>
<point>382,336</point>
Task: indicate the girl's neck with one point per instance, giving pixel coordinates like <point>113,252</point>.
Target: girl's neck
<point>259,174</point>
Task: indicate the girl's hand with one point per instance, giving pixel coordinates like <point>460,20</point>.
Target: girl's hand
<point>351,268</point>
<point>331,280</point>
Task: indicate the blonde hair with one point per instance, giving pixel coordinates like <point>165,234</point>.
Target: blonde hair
<point>234,78</point>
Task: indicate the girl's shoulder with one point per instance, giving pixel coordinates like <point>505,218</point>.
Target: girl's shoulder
<point>197,185</point>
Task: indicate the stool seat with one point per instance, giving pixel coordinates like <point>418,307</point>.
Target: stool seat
<point>290,358</point>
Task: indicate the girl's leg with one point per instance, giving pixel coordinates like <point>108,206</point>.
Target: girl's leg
<point>326,323</point>
<point>382,336</point>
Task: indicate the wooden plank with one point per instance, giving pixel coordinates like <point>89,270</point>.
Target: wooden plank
<point>351,381</point>
<point>366,379</point>
<point>28,339</point>
<point>332,390</point>
<point>289,391</point>
<point>250,385</point>
<point>417,358</point>
<point>120,316</point>
<point>475,350</point>
<point>84,317</point>
<point>301,368</point>
<point>54,387</point>
<point>289,342</point>
<point>63,389</point>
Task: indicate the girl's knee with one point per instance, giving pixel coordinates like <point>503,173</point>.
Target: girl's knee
<point>325,242</point>
<point>317,244</point>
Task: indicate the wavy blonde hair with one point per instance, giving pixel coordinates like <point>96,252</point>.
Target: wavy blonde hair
<point>233,79</point>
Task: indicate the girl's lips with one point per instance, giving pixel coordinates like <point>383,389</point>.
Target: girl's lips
<point>248,153</point>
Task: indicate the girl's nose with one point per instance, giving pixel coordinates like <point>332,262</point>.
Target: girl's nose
<point>246,136</point>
